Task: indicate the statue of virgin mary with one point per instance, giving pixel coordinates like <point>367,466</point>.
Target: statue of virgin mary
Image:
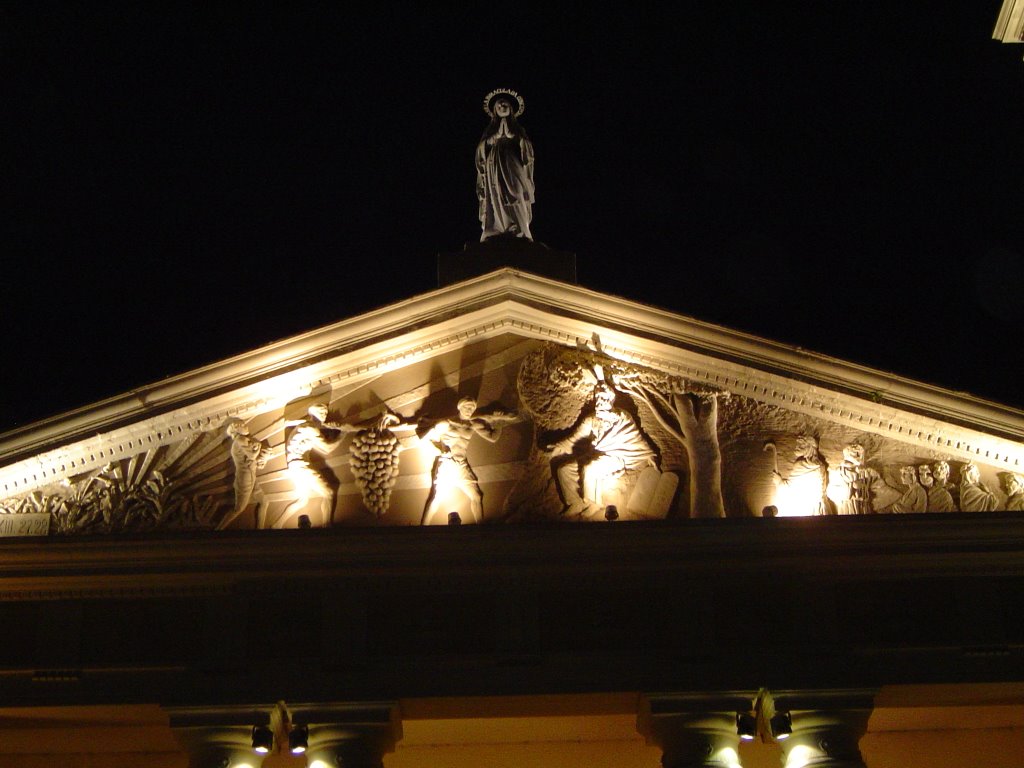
<point>504,169</point>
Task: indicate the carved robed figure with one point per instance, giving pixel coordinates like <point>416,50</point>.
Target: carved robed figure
<point>604,443</point>
<point>504,169</point>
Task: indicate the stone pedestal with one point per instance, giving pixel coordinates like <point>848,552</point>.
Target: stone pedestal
<point>693,731</point>
<point>827,729</point>
<point>497,252</point>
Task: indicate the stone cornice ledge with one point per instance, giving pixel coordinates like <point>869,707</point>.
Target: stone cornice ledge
<point>504,301</point>
<point>951,545</point>
<point>1010,22</point>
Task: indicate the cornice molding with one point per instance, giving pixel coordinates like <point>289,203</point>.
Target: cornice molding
<point>952,545</point>
<point>1010,22</point>
<point>354,351</point>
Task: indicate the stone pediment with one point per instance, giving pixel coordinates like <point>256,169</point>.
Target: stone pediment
<point>588,407</point>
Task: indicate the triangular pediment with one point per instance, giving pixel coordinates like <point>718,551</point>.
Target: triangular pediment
<point>530,351</point>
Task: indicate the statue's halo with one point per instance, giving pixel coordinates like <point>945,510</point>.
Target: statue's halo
<point>490,98</point>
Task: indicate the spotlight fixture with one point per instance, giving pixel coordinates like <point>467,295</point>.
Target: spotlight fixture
<point>782,725</point>
<point>262,739</point>
<point>454,518</point>
<point>298,739</point>
<point>746,725</point>
<point>611,512</point>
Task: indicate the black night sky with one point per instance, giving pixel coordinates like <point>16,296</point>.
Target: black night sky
<point>186,183</point>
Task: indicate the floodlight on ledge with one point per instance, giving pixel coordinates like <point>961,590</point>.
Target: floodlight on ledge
<point>262,739</point>
<point>298,739</point>
<point>781,725</point>
<point>746,725</point>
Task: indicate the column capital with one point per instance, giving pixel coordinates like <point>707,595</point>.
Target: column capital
<point>693,730</point>
<point>350,735</point>
<point>827,727</point>
<point>228,746</point>
<point>341,735</point>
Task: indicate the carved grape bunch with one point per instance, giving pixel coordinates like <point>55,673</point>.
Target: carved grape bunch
<point>374,463</point>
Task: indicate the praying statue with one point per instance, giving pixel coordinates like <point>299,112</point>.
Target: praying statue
<point>504,169</point>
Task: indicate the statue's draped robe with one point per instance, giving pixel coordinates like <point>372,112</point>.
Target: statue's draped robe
<point>504,168</point>
<point>914,499</point>
<point>940,500</point>
<point>976,498</point>
<point>803,492</point>
<point>600,445</point>
<point>851,489</point>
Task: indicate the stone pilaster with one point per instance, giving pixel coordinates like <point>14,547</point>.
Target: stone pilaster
<point>693,731</point>
<point>827,728</point>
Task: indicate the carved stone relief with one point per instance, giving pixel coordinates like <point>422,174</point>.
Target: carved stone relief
<point>603,444</point>
<point>939,497</point>
<point>691,417</point>
<point>450,438</point>
<point>614,437</point>
<point>914,498</point>
<point>312,438</point>
<point>580,435</point>
<point>374,461</point>
<point>248,456</point>
<point>975,495</point>
<point>851,490</point>
<point>1013,484</point>
<point>867,473</point>
<point>179,486</point>
<point>804,491</point>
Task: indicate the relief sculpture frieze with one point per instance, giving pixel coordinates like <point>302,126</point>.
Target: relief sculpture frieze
<point>568,433</point>
<point>180,487</point>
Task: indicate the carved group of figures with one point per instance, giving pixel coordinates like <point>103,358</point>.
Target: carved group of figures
<point>374,456</point>
<point>611,434</point>
<point>608,437</point>
<point>854,488</point>
<point>596,448</point>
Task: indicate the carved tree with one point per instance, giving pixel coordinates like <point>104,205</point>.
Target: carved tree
<point>692,418</point>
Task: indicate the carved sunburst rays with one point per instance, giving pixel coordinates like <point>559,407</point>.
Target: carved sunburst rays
<point>184,485</point>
